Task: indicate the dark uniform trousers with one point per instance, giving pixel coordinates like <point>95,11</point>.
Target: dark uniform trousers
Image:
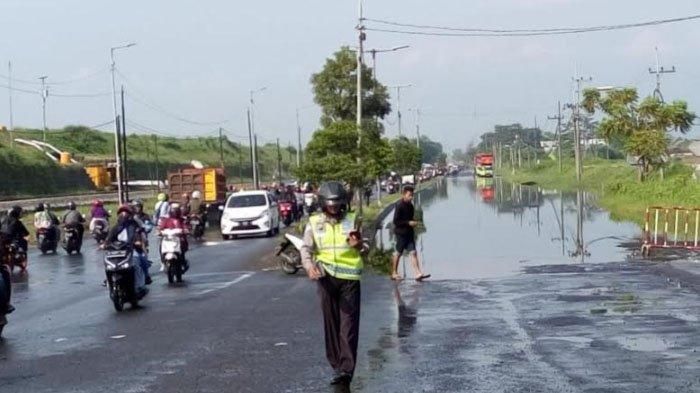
<point>340,302</point>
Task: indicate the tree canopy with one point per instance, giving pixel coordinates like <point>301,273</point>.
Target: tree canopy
<point>335,90</point>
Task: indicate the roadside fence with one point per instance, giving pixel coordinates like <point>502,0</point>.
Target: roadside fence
<point>671,228</point>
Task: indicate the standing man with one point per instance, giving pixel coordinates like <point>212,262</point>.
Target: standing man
<point>332,255</point>
<point>404,225</point>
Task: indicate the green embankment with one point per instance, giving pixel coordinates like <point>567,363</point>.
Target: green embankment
<point>27,172</point>
<point>615,183</point>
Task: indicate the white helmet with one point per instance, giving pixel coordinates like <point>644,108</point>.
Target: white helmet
<point>196,194</point>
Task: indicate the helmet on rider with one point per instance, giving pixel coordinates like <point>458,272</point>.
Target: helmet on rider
<point>72,205</point>
<point>333,199</point>
<point>40,207</point>
<point>185,197</point>
<point>137,206</point>
<point>97,203</point>
<point>175,211</point>
<point>196,194</point>
<point>162,197</point>
<point>15,211</point>
<point>124,210</point>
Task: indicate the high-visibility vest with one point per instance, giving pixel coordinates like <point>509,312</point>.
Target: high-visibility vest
<point>332,249</point>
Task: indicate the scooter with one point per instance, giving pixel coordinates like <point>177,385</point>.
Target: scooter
<point>45,241</point>
<point>289,253</point>
<point>99,229</point>
<point>5,290</point>
<point>71,240</point>
<point>171,254</point>
<point>16,256</point>
<point>286,212</point>
<point>125,278</point>
<point>197,225</point>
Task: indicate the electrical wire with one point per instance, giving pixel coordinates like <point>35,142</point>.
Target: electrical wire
<point>160,109</point>
<point>50,83</point>
<point>482,32</point>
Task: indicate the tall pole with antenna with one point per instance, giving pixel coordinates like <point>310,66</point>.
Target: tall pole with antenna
<point>658,72</point>
<point>44,96</point>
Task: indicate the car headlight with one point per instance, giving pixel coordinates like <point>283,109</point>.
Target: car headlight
<point>265,216</point>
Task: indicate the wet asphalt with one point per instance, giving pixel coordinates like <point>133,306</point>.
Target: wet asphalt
<point>494,318</point>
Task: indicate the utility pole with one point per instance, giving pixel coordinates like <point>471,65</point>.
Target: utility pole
<point>298,140</point>
<point>253,156</point>
<point>418,128</point>
<point>279,161</point>
<point>44,96</point>
<point>255,161</point>
<point>398,103</point>
<point>361,39</point>
<point>658,72</point>
<point>577,118</point>
<point>221,146</point>
<point>155,154</point>
<point>9,83</point>
<point>125,159</point>
<point>117,155</point>
<point>558,118</point>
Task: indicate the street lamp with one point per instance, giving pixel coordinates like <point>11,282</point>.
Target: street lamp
<point>116,120</point>
<point>374,52</point>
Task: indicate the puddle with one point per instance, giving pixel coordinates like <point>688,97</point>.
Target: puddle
<point>644,343</point>
<point>488,228</point>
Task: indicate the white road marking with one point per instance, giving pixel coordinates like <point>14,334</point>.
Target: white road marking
<point>225,285</point>
<point>118,337</point>
<point>219,273</point>
<point>58,340</point>
<point>282,344</point>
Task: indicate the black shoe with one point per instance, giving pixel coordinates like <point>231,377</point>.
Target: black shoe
<point>10,309</point>
<point>341,379</point>
<point>149,281</point>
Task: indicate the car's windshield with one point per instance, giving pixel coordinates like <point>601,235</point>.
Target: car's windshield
<point>247,201</point>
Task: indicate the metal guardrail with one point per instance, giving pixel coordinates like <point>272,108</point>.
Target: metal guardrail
<point>80,199</point>
<point>671,228</point>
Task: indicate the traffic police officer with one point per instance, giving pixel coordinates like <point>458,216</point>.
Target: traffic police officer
<point>332,255</point>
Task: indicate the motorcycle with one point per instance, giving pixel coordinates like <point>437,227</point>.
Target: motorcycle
<point>71,240</point>
<point>289,253</point>
<point>171,254</point>
<point>5,286</point>
<point>197,224</point>
<point>310,202</point>
<point>99,227</point>
<point>286,212</point>
<point>15,256</point>
<point>125,278</point>
<point>46,241</point>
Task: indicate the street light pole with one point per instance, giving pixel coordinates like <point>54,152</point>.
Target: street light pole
<point>374,55</point>
<point>44,95</point>
<point>298,140</point>
<point>253,137</point>
<point>398,99</point>
<point>117,154</point>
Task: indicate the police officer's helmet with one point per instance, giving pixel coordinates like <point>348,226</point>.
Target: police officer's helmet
<point>15,211</point>
<point>333,193</point>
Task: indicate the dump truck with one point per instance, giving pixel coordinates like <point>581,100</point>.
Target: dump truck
<point>211,182</point>
<point>483,165</point>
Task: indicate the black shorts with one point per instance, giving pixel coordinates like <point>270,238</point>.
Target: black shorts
<point>405,243</point>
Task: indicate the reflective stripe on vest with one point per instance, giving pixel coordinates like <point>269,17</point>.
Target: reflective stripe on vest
<point>332,249</point>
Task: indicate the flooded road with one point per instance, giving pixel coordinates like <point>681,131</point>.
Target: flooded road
<point>489,228</point>
<point>533,291</point>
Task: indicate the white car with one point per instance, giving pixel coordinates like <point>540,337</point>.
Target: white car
<point>250,213</point>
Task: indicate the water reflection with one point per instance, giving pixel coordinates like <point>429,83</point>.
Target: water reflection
<point>488,227</point>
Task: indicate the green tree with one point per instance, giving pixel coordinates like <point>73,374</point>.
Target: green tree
<point>335,90</point>
<point>406,155</point>
<point>430,150</point>
<point>641,127</point>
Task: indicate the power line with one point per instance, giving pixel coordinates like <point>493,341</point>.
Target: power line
<point>482,32</point>
<point>159,108</point>
<point>64,82</point>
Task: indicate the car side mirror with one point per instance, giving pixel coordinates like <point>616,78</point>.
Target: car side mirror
<point>221,208</point>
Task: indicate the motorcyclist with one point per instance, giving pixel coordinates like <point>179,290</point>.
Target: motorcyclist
<point>128,230</point>
<point>299,197</point>
<point>162,208</point>
<point>11,230</point>
<point>74,219</point>
<point>177,221</point>
<point>45,219</point>
<point>98,213</point>
<point>195,205</point>
<point>144,221</point>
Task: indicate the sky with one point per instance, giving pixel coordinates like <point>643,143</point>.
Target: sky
<point>195,62</point>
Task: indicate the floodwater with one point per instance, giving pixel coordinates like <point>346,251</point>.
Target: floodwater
<point>489,228</point>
